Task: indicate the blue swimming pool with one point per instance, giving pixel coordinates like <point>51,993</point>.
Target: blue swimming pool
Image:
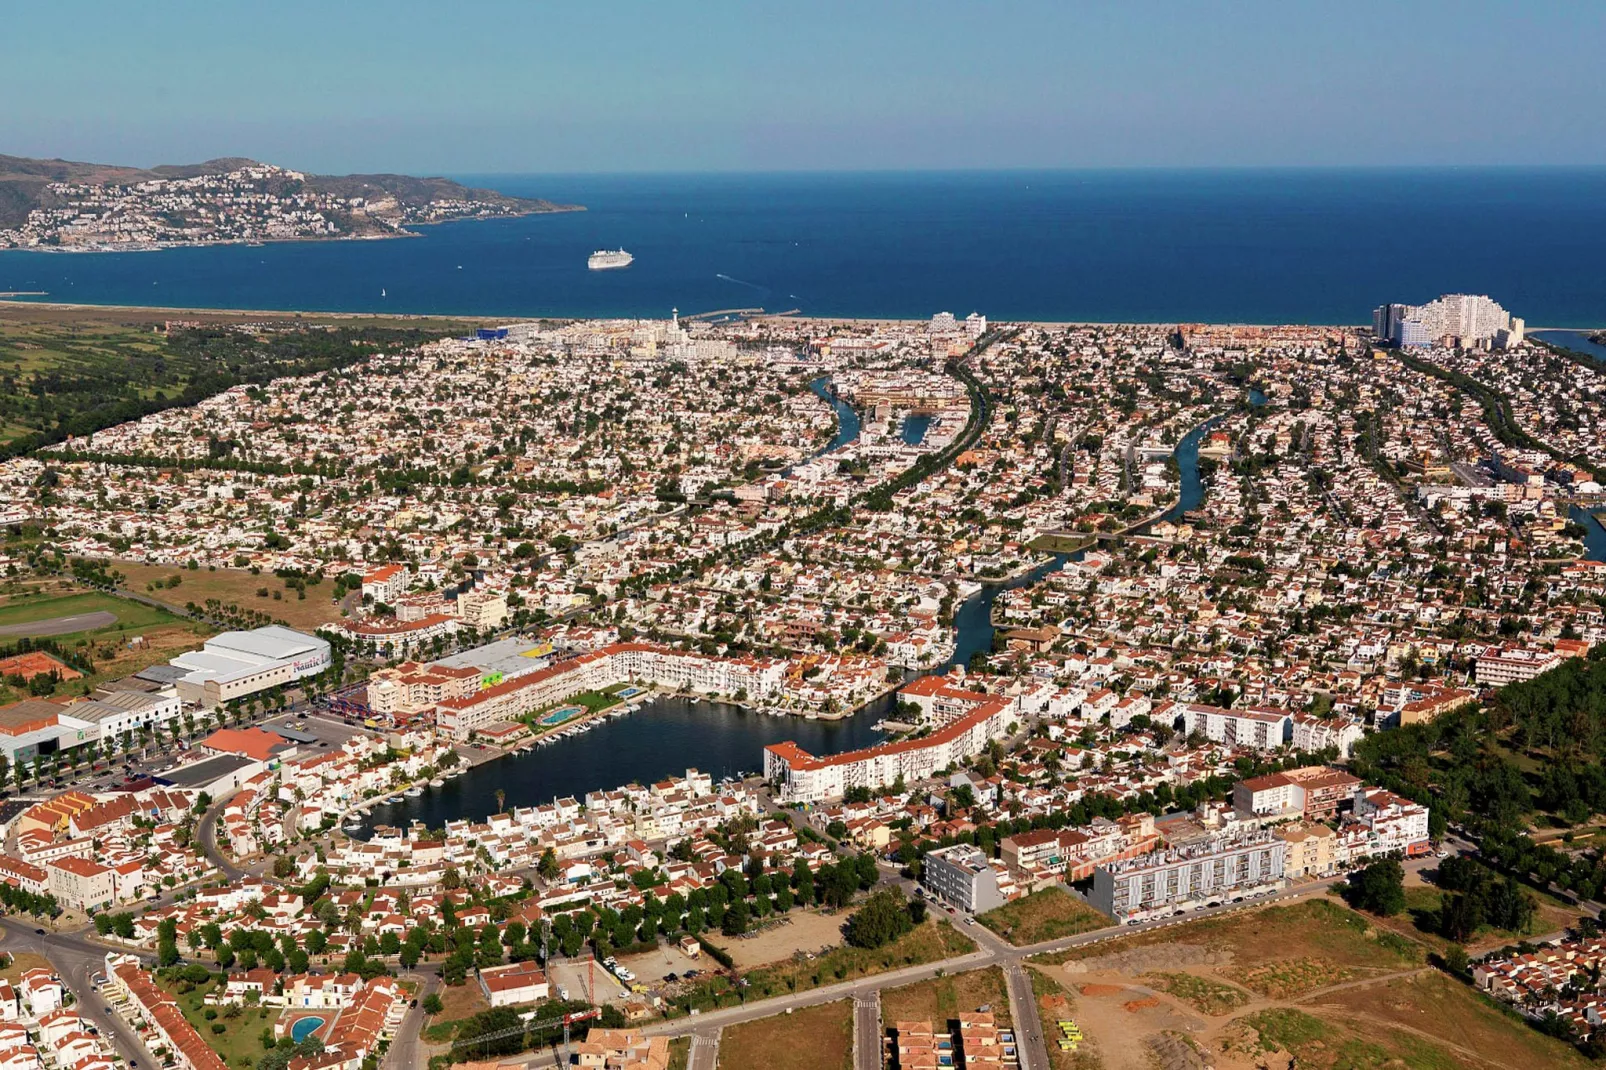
<point>558,716</point>
<point>301,1028</point>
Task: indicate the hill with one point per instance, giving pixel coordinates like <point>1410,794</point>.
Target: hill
<point>66,203</point>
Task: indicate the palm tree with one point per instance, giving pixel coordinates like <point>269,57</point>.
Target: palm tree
<point>501,800</point>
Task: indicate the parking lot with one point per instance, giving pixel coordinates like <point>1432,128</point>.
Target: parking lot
<point>329,731</point>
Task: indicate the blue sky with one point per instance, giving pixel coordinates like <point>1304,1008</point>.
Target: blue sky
<point>545,86</point>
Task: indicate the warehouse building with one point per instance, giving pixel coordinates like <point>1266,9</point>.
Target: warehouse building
<point>236,664</point>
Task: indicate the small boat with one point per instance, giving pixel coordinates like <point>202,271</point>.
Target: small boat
<point>437,783</point>
<point>413,793</point>
<point>354,826</point>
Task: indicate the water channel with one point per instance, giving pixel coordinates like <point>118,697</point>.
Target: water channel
<point>669,734</point>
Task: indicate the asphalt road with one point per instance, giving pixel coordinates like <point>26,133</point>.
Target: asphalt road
<point>405,1049</point>
<point>704,1050</point>
<point>867,1032</point>
<point>76,960</point>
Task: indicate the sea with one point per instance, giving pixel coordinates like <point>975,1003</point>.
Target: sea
<point>1253,246</point>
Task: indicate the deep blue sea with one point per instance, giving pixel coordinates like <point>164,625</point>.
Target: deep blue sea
<point>1242,246</point>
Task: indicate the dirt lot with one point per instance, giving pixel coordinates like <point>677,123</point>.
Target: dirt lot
<point>815,1038</point>
<point>1308,985</point>
<point>802,930</point>
<point>943,998</point>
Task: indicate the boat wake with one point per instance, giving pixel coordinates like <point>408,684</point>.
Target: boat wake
<point>743,282</point>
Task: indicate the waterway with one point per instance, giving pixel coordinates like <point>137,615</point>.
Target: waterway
<point>1575,340</point>
<point>1594,531</point>
<point>973,622</point>
<point>847,417</point>
<point>913,431</point>
<point>666,736</point>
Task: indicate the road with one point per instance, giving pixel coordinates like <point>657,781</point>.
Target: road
<point>75,959</point>
<point>405,1047</point>
<point>206,839</point>
<point>867,1032</point>
<point>991,951</point>
<point>704,1050</point>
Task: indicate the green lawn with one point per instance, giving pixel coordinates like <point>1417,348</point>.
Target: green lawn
<point>240,1042</point>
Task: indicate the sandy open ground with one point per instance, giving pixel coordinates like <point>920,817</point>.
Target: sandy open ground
<point>803,930</point>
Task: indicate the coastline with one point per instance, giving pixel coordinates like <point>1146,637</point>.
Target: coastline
<point>402,232</point>
<point>849,321</point>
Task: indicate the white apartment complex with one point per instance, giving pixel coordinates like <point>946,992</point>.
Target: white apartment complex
<point>1229,864</point>
<point>805,778</point>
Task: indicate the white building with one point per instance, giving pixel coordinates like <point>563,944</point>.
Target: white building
<point>235,664</point>
<point>1261,730</point>
<point>1498,666</point>
<point>1463,319</point>
<point>1229,865</point>
<point>964,877</point>
<point>805,778</point>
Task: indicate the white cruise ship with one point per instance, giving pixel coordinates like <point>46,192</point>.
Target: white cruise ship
<point>603,259</point>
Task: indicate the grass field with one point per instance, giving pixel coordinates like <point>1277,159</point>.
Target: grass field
<point>813,1038</point>
<point>236,587</point>
<point>31,609</point>
<point>240,1042</point>
<point>1203,994</point>
<point>1434,1004</point>
<point>1044,915</point>
<point>1311,984</point>
<point>73,370</point>
<point>1061,544</point>
<point>679,1053</point>
<point>109,648</point>
<point>942,999</point>
<point>21,962</point>
<point>1421,919</point>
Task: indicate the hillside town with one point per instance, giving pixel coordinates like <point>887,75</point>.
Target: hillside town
<point>241,201</point>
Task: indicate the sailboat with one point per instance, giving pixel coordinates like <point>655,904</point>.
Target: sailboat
<point>381,291</point>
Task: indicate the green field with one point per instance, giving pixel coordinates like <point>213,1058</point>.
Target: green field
<point>74,371</point>
<point>27,609</point>
<point>240,1041</point>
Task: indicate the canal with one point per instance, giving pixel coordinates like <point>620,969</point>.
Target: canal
<point>671,733</point>
<point>847,417</point>
<point>973,622</point>
<point>1574,340</point>
<point>666,736</point>
<point>1594,532</point>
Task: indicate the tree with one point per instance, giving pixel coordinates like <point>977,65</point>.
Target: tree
<point>1459,917</point>
<point>882,919</point>
<point>548,866</point>
<point>433,1003</point>
<point>1379,888</point>
<point>736,918</point>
